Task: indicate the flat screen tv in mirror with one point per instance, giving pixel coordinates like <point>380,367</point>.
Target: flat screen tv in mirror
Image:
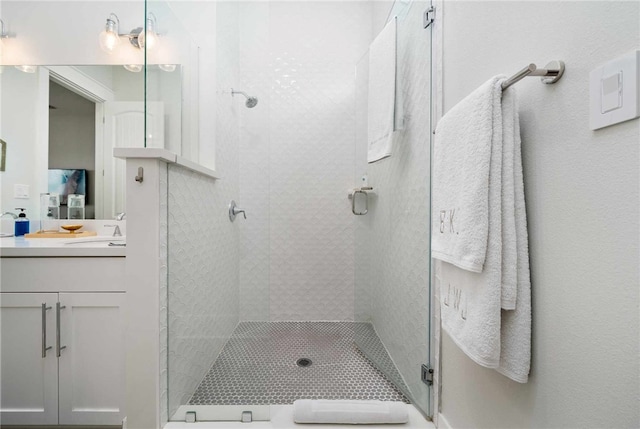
<point>65,182</point>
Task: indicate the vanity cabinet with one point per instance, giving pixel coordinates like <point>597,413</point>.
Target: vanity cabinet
<point>62,341</point>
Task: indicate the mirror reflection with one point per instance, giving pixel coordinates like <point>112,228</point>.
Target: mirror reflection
<point>61,123</point>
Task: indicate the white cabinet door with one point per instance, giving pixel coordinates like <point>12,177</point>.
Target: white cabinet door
<point>28,381</point>
<point>91,366</point>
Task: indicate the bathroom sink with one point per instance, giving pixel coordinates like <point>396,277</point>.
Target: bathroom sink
<point>98,242</point>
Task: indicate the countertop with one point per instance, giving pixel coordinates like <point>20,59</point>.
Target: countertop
<point>97,246</point>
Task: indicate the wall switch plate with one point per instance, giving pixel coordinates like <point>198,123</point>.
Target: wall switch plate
<point>614,91</point>
<point>21,191</point>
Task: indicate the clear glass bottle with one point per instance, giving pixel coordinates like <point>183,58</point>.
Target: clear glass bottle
<point>75,207</point>
<point>49,212</point>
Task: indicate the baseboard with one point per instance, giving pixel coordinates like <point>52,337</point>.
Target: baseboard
<point>443,423</point>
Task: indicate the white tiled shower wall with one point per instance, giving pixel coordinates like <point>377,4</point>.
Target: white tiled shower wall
<point>203,252</point>
<point>297,157</point>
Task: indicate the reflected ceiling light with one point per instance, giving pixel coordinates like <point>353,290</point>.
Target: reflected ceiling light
<point>134,68</point>
<point>167,67</point>
<point>27,69</point>
<point>109,37</point>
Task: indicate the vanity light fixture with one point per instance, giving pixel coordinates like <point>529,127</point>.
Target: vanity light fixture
<point>149,37</point>
<point>139,37</point>
<point>109,37</point>
<point>3,34</point>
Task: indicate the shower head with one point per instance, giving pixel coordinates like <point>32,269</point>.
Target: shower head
<point>251,101</point>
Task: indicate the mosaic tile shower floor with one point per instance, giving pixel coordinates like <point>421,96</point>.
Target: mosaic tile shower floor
<point>258,366</point>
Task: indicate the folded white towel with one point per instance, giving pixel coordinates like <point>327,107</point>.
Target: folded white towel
<point>382,93</point>
<point>349,412</point>
<point>507,206</point>
<point>515,354</point>
<point>471,302</point>
<point>465,138</point>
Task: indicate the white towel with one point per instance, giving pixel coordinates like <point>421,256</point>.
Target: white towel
<point>465,138</point>
<point>349,412</point>
<point>515,354</point>
<point>471,302</point>
<point>382,93</point>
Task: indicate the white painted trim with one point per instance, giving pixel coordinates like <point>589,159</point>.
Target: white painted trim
<point>145,153</point>
<point>165,156</point>
<point>98,200</point>
<point>41,164</point>
<point>143,294</point>
<point>443,423</point>
<point>86,86</point>
<point>80,83</point>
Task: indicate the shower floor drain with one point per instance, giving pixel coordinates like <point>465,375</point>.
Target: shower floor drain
<point>303,362</point>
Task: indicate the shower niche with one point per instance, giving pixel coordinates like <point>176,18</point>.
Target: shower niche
<point>302,299</point>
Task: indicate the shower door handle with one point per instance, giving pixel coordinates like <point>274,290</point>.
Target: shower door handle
<point>353,202</point>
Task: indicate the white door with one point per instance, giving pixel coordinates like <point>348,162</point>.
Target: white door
<point>28,363</point>
<point>91,366</point>
<point>124,126</point>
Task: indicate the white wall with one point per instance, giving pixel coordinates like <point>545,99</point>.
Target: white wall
<point>297,157</point>
<point>582,203</point>
<point>19,127</point>
<point>66,32</point>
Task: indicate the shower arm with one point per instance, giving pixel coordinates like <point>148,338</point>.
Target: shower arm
<point>234,92</point>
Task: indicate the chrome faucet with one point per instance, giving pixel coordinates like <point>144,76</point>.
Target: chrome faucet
<point>13,215</point>
<point>116,230</point>
<point>121,216</point>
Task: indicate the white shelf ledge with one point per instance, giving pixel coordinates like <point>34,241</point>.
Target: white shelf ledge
<point>165,156</point>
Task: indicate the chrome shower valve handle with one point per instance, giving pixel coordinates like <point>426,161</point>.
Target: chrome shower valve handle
<point>234,210</point>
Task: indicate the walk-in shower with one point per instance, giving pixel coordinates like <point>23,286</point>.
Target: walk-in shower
<point>301,299</point>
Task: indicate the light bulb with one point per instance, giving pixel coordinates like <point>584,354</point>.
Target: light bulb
<point>109,38</point>
<point>108,41</point>
<point>148,38</point>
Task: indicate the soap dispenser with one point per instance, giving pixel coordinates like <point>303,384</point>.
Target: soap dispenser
<point>21,224</point>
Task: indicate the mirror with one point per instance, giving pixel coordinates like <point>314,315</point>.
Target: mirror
<point>71,118</point>
<point>59,43</point>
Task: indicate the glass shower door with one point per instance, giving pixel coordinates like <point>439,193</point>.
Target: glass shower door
<point>392,290</point>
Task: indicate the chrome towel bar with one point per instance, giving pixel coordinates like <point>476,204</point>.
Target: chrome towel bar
<point>551,73</point>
